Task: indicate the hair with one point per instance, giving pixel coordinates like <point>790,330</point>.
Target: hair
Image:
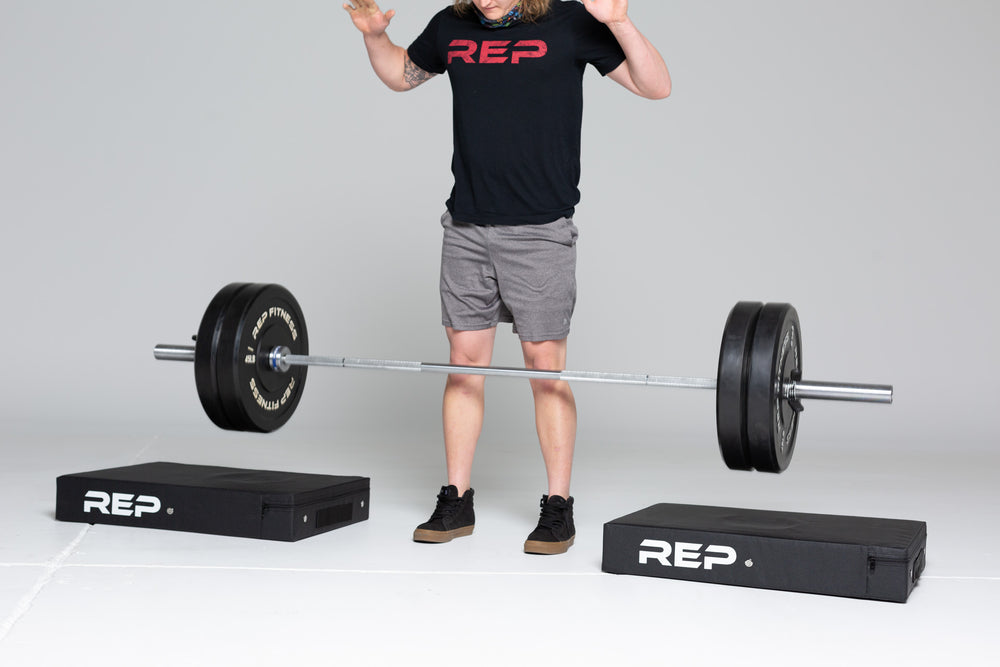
<point>531,10</point>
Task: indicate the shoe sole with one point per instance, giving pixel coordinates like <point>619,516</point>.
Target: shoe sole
<point>548,548</point>
<point>441,536</point>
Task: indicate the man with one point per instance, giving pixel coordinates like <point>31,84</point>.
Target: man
<point>516,70</point>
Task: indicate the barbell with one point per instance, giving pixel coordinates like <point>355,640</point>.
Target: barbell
<point>251,354</point>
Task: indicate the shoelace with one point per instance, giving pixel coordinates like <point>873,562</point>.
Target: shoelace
<point>552,516</point>
<point>446,506</point>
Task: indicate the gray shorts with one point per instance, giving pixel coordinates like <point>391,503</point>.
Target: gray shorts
<point>524,274</point>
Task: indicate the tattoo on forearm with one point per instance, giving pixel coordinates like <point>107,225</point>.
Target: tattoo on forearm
<point>413,75</point>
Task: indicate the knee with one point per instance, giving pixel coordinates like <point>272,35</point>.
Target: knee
<point>548,357</point>
<point>470,348</point>
<point>545,356</point>
<point>471,385</point>
<point>464,357</point>
<point>551,388</point>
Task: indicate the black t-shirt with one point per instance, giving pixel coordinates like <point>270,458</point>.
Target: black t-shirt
<point>518,109</point>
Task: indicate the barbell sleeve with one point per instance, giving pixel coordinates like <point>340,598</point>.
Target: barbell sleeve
<point>836,391</point>
<point>174,352</point>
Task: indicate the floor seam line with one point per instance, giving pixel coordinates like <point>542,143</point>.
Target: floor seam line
<point>23,605</point>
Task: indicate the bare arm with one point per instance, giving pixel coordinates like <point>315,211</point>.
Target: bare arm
<point>391,63</point>
<point>644,72</point>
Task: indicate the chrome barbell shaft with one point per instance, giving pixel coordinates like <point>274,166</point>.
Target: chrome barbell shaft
<point>280,360</point>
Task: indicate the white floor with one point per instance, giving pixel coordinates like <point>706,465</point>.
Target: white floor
<point>76,594</point>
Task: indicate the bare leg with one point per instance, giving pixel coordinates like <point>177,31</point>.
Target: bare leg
<point>555,413</point>
<point>463,407</point>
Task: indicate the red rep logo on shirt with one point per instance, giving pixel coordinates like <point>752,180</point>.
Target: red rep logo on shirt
<point>496,51</point>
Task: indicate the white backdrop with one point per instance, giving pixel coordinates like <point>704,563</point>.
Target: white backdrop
<point>839,156</point>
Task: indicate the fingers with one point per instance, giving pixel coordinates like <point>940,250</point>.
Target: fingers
<point>367,17</point>
<point>365,6</point>
<point>350,6</point>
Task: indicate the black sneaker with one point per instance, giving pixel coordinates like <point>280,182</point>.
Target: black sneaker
<point>555,532</point>
<point>453,517</point>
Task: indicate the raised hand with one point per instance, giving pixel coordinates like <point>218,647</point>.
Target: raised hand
<point>368,18</point>
<point>607,11</point>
